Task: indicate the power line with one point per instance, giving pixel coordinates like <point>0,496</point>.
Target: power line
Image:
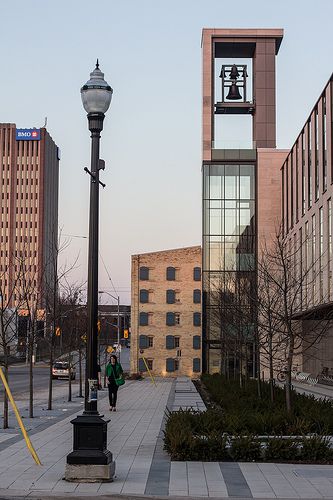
<point>107,272</point>
<point>75,236</point>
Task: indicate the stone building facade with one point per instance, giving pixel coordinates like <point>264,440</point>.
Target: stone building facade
<point>166,312</point>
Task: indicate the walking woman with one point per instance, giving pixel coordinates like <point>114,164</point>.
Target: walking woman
<point>114,372</point>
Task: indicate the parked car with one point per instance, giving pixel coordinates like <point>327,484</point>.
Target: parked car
<point>60,369</point>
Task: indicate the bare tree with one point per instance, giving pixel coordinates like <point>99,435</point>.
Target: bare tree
<point>53,280</point>
<point>8,330</point>
<point>28,293</point>
<point>288,281</point>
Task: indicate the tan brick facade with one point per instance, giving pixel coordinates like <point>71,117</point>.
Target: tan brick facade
<point>178,358</point>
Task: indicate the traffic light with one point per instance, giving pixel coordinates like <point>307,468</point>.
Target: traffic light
<point>58,331</point>
<point>126,334</point>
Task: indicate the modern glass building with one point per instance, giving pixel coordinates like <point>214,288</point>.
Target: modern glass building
<point>229,249</point>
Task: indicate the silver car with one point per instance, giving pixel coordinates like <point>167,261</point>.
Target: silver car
<point>60,369</point>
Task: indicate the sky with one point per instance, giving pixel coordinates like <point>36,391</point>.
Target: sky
<point>150,53</point>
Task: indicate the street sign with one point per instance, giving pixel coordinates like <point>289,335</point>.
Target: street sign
<point>110,349</point>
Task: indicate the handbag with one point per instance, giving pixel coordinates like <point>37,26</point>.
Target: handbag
<point>120,380</point>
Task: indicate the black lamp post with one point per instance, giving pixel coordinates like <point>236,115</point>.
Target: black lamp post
<point>90,458</point>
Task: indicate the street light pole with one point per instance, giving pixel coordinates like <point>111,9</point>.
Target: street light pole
<point>90,429</point>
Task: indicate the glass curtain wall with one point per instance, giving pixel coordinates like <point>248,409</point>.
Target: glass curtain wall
<point>229,250</point>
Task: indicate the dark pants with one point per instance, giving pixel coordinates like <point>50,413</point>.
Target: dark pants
<point>113,390</point>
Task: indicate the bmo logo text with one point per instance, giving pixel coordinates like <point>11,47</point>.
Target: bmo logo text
<point>27,134</point>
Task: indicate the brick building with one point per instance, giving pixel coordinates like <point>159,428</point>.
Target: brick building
<point>166,312</point>
<point>29,177</point>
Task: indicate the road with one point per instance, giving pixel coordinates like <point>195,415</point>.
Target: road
<point>19,380</point>
<point>19,377</point>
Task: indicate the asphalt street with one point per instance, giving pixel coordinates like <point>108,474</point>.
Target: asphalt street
<point>19,377</point>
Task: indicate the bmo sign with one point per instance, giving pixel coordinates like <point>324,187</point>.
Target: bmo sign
<point>27,134</point>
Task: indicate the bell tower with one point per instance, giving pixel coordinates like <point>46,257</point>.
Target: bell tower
<point>223,53</point>
<point>241,169</point>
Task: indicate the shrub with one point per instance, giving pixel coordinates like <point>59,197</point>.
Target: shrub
<point>214,447</point>
<point>279,448</point>
<point>246,448</point>
<point>244,412</point>
<point>316,448</point>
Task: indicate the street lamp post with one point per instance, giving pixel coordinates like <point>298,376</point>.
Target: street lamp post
<point>90,460</point>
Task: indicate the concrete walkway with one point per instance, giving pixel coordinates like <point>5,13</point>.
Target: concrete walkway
<point>142,467</point>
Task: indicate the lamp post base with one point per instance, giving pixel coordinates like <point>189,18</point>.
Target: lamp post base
<point>87,473</point>
<point>90,459</point>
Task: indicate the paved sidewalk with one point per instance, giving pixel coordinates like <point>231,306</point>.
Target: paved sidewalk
<point>142,467</point>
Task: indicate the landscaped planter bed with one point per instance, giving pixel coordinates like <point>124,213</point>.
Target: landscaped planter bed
<point>240,426</point>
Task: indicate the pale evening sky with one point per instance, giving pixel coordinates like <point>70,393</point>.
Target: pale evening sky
<point>150,53</point>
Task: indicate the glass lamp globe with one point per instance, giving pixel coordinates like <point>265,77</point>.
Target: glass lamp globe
<point>96,94</point>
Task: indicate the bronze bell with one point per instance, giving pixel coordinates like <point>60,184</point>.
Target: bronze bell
<point>234,74</point>
<point>233,93</point>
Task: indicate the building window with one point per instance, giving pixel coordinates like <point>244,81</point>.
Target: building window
<point>143,319</point>
<point>177,318</point>
<point>321,252</point>
<point>197,274</point>
<point>150,341</point>
<point>144,273</point>
<point>197,296</point>
<point>329,242</point>
<point>324,143</point>
<point>296,180</point>
<point>176,364</point>
<point>196,319</point>
<point>177,341</point>
<point>196,365</point>
<point>291,189</point>
<point>143,341</point>
<point>169,342</point>
<point>309,164</point>
<point>303,172</point>
<point>142,366</point>
<point>149,364</point>
<point>284,230</point>
<point>287,196</point>
<point>313,257</point>
<point>196,342</point>
<point>316,155</point>
<point>144,296</point>
<point>170,365</point>
<point>170,319</point>
<point>170,297</point>
<point>170,273</point>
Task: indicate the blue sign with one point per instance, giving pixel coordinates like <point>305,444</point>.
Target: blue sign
<point>28,134</point>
